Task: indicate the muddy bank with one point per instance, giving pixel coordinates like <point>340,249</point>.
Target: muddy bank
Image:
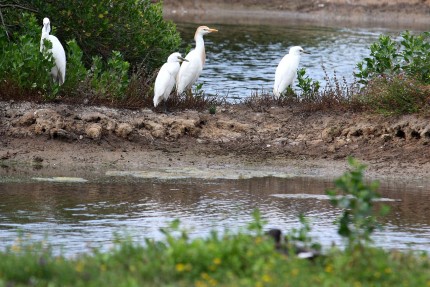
<point>81,139</point>
<point>400,14</point>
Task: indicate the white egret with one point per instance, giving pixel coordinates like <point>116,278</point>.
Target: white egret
<point>58,72</point>
<point>166,78</point>
<point>191,70</point>
<point>286,71</point>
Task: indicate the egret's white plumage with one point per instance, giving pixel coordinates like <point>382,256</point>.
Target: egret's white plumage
<point>166,78</point>
<point>58,72</point>
<point>286,71</point>
<point>191,70</point>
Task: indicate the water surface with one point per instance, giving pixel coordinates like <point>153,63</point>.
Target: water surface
<point>77,216</point>
<point>242,59</point>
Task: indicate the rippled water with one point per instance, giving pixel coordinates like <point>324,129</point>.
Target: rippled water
<point>242,59</point>
<point>77,216</point>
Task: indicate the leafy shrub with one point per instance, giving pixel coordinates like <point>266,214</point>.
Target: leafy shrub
<point>76,71</point>
<point>110,80</point>
<point>358,219</point>
<point>410,56</point>
<point>21,62</point>
<point>135,28</point>
<point>308,86</point>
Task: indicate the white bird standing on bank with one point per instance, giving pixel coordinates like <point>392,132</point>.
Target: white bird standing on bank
<point>58,72</point>
<point>166,78</point>
<point>286,71</point>
<point>191,70</point>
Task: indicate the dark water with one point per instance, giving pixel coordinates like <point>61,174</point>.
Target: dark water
<point>241,59</point>
<point>77,216</point>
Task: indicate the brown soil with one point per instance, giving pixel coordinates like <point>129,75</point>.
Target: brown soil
<point>76,139</point>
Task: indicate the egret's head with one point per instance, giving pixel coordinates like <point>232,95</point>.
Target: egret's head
<point>297,50</point>
<point>46,25</point>
<point>203,30</point>
<point>176,57</point>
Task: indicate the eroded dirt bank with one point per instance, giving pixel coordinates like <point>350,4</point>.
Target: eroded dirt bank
<point>282,139</point>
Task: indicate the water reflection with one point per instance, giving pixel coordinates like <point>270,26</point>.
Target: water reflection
<point>78,216</point>
<point>242,59</point>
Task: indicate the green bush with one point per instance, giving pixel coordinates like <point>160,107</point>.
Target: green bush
<point>135,28</point>
<point>410,56</point>
<point>309,87</point>
<point>104,40</point>
<point>21,62</point>
<point>110,80</point>
<point>76,71</point>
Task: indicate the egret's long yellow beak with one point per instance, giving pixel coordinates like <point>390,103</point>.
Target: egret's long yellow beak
<point>213,30</point>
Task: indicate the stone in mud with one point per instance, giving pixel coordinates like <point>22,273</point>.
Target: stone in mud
<point>91,116</point>
<point>47,119</point>
<point>124,130</point>
<point>181,127</point>
<point>94,131</point>
<point>62,134</point>
<point>27,119</point>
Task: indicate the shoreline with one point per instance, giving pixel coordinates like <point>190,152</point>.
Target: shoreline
<point>74,140</point>
<point>337,18</point>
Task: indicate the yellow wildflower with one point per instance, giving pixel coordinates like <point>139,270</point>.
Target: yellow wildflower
<point>217,261</point>
<point>200,284</point>
<point>79,267</point>
<point>180,267</point>
<point>328,268</point>
<point>258,240</point>
<point>16,248</point>
<point>266,278</point>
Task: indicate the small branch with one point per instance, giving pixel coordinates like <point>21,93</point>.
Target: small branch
<point>4,25</point>
<point>17,6</point>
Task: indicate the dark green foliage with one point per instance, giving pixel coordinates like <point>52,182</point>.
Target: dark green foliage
<point>135,28</point>
<point>416,55</point>
<point>112,48</point>
<point>21,62</point>
<point>111,80</point>
<point>410,55</point>
<point>76,71</point>
<point>309,87</point>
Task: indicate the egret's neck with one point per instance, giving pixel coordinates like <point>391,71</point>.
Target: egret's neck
<point>200,47</point>
<point>46,30</point>
<point>45,34</point>
<point>200,43</point>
